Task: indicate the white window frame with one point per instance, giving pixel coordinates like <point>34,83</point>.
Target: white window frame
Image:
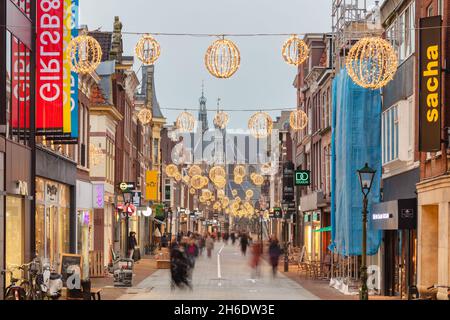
<point>390,135</point>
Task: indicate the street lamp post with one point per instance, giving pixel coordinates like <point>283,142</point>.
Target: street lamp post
<point>366,177</point>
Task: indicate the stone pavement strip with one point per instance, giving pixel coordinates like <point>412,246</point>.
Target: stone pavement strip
<point>236,282</point>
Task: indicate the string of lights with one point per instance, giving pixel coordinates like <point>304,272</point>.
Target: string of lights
<point>220,35</point>
<point>237,109</point>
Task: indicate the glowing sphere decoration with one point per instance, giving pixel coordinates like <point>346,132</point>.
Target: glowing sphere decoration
<point>217,173</point>
<point>298,120</point>
<point>249,194</point>
<point>222,59</point>
<point>145,116</point>
<point>148,50</point>
<point>295,51</point>
<point>260,125</point>
<point>186,179</point>
<point>197,182</point>
<point>221,120</point>
<point>205,181</point>
<point>239,171</point>
<point>185,122</point>
<point>220,182</point>
<point>195,170</point>
<point>238,180</point>
<point>192,191</point>
<point>234,193</point>
<point>171,170</point>
<point>85,54</point>
<point>178,177</point>
<point>258,180</point>
<point>372,63</point>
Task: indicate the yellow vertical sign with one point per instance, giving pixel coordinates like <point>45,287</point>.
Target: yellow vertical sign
<point>151,186</point>
<point>67,32</point>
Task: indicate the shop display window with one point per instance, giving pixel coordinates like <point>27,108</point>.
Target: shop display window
<point>14,233</point>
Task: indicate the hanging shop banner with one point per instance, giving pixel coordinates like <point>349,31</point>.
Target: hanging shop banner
<point>49,67</point>
<point>430,84</point>
<point>20,81</point>
<point>151,186</point>
<point>74,76</point>
<point>67,73</point>
<point>288,182</point>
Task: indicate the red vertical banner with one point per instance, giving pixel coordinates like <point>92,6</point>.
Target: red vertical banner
<point>20,80</point>
<point>49,66</point>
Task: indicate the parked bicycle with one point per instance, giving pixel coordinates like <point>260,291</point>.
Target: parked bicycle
<point>16,290</point>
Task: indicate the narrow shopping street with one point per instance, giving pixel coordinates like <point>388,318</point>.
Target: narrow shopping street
<point>236,282</point>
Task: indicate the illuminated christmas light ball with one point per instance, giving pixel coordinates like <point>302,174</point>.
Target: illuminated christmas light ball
<point>238,180</point>
<point>85,54</point>
<point>171,170</point>
<point>185,122</point>
<point>240,171</point>
<point>234,193</point>
<point>195,170</point>
<point>186,179</point>
<point>145,116</point>
<point>249,194</point>
<point>207,194</point>
<point>298,120</point>
<point>220,194</point>
<point>192,191</point>
<point>220,182</point>
<point>260,125</point>
<point>202,199</point>
<point>222,59</point>
<point>295,51</point>
<point>372,63</point>
<point>148,50</point>
<point>197,182</point>
<point>205,181</point>
<point>178,177</point>
<point>217,173</point>
<point>258,180</point>
<point>221,120</point>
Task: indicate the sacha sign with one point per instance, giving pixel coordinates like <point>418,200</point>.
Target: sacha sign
<point>430,84</point>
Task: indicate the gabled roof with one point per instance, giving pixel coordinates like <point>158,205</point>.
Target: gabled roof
<point>105,41</point>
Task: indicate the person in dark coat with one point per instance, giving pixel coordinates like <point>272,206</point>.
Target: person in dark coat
<point>164,241</point>
<point>179,268</point>
<point>244,244</point>
<point>274,254</point>
<point>132,243</point>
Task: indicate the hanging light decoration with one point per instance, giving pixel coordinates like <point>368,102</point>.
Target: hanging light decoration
<point>238,180</point>
<point>205,181</point>
<point>249,194</point>
<point>148,49</point>
<point>239,171</point>
<point>260,125</point>
<point>197,182</point>
<point>192,191</point>
<point>220,194</point>
<point>234,193</point>
<point>295,51</point>
<point>217,173</point>
<point>220,182</point>
<point>85,54</point>
<point>207,194</point>
<point>202,199</point>
<point>372,62</point>
<point>185,122</point>
<point>186,179</point>
<point>145,116</point>
<point>298,120</point>
<point>195,170</point>
<point>178,177</point>
<point>222,59</point>
<point>221,120</point>
<point>258,180</point>
<point>171,170</point>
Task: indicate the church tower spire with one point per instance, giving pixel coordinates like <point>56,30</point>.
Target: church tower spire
<point>203,113</point>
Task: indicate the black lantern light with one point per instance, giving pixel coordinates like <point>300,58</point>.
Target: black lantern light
<point>366,176</point>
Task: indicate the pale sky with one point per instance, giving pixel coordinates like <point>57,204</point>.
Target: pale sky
<point>264,80</point>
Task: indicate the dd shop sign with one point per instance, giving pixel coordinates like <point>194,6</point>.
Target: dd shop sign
<point>430,84</point>
<point>49,66</point>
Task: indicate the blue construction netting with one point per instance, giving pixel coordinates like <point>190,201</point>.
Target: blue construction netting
<point>355,141</point>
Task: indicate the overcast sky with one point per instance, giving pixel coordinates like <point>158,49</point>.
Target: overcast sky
<point>264,80</point>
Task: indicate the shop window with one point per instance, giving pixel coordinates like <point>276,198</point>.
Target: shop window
<point>14,236</point>
<point>390,135</point>
<point>401,33</point>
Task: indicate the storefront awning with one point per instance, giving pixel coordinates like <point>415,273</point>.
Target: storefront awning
<point>327,229</point>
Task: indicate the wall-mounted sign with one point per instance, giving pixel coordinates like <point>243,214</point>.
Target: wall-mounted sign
<point>98,197</point>
<point>288,182</point>
<point>137,199</point>
<point>430,83</point>
<point>395,215</point>
<point>51,193</point>
<point>151,186</point>
<point>277,213</point>
<point>127,187</point>
<point>303,178</point>
<point>22,188</point>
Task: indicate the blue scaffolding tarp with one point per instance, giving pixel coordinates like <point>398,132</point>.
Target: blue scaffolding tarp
<point>355,141</point>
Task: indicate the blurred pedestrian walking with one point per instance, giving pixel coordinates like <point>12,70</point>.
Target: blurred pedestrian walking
<point>209,245</point>
<point>179,268</point>
<point>255,261</point>
<point>244,244</point>
<point>274,254</point>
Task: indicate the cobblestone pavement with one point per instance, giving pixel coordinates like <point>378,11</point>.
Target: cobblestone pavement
<point>236,282</point>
